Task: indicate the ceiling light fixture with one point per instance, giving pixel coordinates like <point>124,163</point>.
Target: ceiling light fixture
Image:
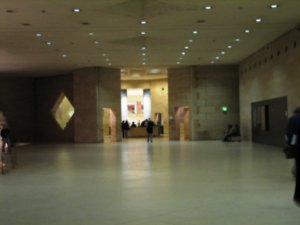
<point>183,53</point>
<point>91,34</point>
<point>96,42</point>
<point>186,47</point>
<point>143,33</point>
<point>258,20</point>
<point>237,39</point>
<point>103,54</point>
<point>143,22</point>
<point>143,48</point>
<point>144,63</point>
<point>177,63</point>
<point>217,57</point>
<point>190,40</point>
<point>208,7</point>
<point>274,6</point>
<point>229,46</point>
<point>49,43</point>
<point>223,53</point>
<point>38,34</point>
<point>76,10</point>
<point>212,62</point>
<point>195,32</point>
<point>247,31</point>
<point>64,55</point>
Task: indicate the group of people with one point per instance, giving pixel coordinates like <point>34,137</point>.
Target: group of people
<point>148,124</point>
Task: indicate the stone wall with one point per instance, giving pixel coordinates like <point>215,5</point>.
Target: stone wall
<point>180,95</point>
<point>85,99</point>
<point>109,96</point>
<point>214,87</point>
<point>46,92</point>
<point>17,104</point>
<point>271,72</point>
<point>203,90</point>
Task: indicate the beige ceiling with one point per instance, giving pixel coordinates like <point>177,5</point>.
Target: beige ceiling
<point>115,25</point>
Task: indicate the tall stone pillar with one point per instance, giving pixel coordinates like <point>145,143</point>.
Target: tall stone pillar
<point>95,89</point>
<point>180,81</point>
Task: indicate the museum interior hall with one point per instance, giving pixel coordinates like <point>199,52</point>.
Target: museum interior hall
<point>81,82</point>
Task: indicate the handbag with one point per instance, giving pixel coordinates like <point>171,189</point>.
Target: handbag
<point>289,151</point>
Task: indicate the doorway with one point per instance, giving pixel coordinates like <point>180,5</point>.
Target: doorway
<point>182,123</point>
<point>109,124</point>
<point>269,119</point>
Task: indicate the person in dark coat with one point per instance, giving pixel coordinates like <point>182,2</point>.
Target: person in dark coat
<point>293,139</point>
<point>5,136</point>
<point>149,126</point>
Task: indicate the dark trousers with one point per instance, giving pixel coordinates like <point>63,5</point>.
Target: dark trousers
<point>297,187</point>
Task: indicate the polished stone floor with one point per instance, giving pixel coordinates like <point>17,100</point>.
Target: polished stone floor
<point>163,183</point>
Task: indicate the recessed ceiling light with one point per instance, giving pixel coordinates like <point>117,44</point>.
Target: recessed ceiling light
<point>208,7</point>
<point>91,33</point>
<point>49,43</point>
<point>229,46</point>
<point>144,63</point>
<point>223,53</point>
<point>274,6</point>
<point>186,47</point>
<point>64,55</point>
<point>217,57</point>
<point>143,54</point>
<point>10,11</point>
<point>143,48</point>
<point>247,31</point>
<point>143,33</point>
<point>190,40</point>
<point>76,10</point>
<point>195,32</point>
<point>258,20</point>
<point>109,64</point>
<point>107,59</point>
<point>143,22</point>
<point>183,53</point>
<point>177,63</point>
<point>103,54</point>
<point>96,42</point>
<point>212,62</point>
<point>237,39</point>
<point>38,34</point>
<point>144,59</point>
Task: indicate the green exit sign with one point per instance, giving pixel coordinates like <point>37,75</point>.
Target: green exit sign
<point>224,109</point>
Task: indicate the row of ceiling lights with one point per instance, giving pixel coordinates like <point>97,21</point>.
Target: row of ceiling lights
<point>64,55</point>
<point>143,33</point>
<point>246,31</point>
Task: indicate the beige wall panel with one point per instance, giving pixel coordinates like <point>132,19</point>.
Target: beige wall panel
<point>272,72</point>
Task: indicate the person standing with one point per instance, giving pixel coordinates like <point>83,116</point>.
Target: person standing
<point>293,139</point>
<point>149,127</point>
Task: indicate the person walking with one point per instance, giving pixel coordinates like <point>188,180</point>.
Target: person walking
<point>149,127</point>
<point>293,139</point>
